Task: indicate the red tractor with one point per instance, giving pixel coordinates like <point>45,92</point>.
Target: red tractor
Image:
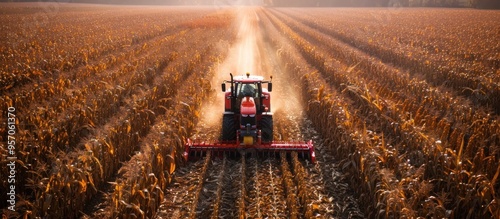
<point>247,122</point>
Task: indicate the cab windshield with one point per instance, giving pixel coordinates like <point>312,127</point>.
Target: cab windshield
<point>247,90</point>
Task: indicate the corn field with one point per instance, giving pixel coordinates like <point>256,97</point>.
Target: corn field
<point>402,106</point>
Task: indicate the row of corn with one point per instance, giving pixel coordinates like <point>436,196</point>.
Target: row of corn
<point>37,47</point>
<point>370,105</point>
<point>164,143</point>
<point>81,171</point>
<point>445,57</point>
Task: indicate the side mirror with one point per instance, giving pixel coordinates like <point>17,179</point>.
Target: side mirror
<point>270,87</point>
<point>223,87</point>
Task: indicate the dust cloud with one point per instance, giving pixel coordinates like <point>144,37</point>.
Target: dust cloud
<point>252,54</point>
<point>242,57</point>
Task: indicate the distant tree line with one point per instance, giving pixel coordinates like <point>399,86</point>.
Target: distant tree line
<point>386,3</point>
<point>119,2</point>
<point>487,4</point>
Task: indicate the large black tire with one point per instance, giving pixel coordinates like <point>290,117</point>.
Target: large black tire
<point>228,128</point>
<point>266,125</point>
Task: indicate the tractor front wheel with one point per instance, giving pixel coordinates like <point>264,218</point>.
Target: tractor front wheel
<point>228,128</point>
<point>267,128</point>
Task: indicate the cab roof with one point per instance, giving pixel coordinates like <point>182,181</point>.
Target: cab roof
<point>251,78</point>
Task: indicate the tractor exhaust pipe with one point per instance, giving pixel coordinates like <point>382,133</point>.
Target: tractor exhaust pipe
<point>233,92</point>
<point>232,85</point>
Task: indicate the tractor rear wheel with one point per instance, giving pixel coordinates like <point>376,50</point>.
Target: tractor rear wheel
<point>266,125</point>
<point>228,128</point>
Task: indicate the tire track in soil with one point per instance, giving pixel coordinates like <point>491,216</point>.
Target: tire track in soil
<point>210,193</point>
<point>181,196</point>
<point>253,198</point>
<point>232,190</point>
<point>334,196</point>
<point>222,189</point>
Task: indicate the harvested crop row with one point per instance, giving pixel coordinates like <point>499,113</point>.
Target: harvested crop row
<point>331,194</point>
<point>290,189</point>
<point>300,187</point>
<point>178,196</point>
<point>218,194</point>
<point>208,203</point>
<point>198,189</point>
<point>242,190</point>
<point>269,200</point>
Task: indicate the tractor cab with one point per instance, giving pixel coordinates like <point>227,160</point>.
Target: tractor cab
<point>247,86</point>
